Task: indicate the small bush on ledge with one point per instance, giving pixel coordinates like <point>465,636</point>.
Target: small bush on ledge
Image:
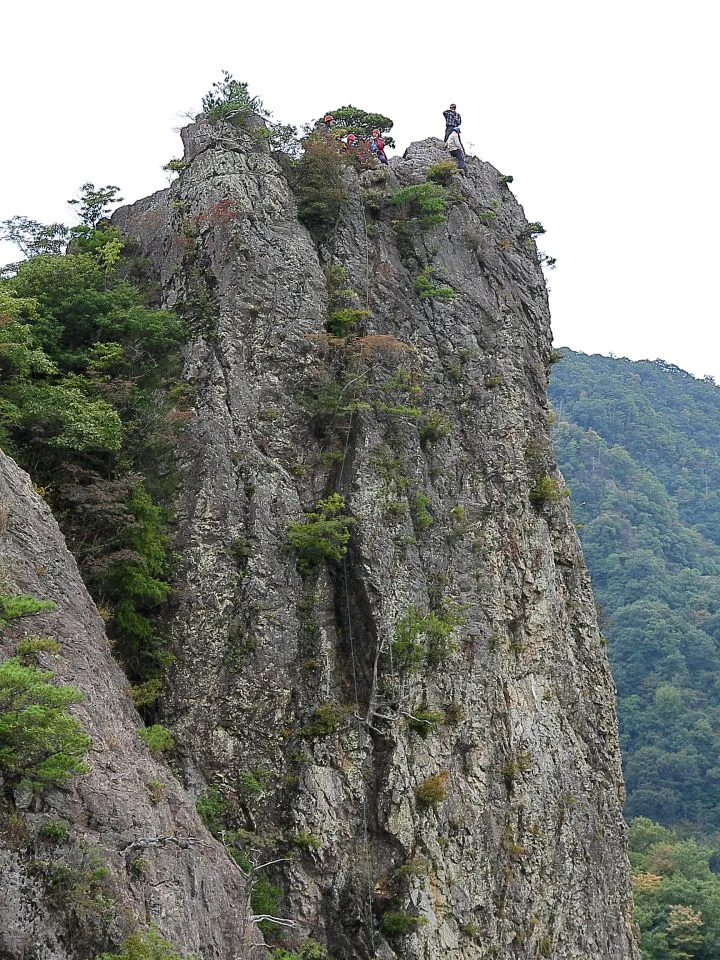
<point>547,490</point>
<point>423,721</point>
<point>157,738</point>
<point>323,535</point>
<point>533,229</point>
<point>424,202</point>
<point>426,286</point>
<point>397,924</point>
<point>327,720</point>
<point>14,606</point>
<point>433,790</point>
<point>29,648</point>
<point>442,172</point>
<point>342,322</point>
<point>144,946</point>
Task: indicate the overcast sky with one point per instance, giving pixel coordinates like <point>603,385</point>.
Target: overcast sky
<point>605,113</point>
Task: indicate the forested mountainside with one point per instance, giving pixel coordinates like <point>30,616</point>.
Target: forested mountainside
<point>639,446</point>
<point>291,417</point>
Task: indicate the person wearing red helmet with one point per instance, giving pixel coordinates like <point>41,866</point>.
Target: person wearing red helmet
<point>326,128</point>
<point>377,146</point>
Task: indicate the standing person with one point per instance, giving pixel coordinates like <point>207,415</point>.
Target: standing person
<point>326,128</point>
<point>377,145</point>
<point>452,120</point>
<point>454,146</point>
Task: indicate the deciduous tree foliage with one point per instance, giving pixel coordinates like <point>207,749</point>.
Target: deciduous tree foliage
<point>639,444</point>
<point>88,394</point>
<point>677,895</point>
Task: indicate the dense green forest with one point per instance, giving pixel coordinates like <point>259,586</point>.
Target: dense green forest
<point>639,445</point>
<point>89,396</point>
<point>677,894</point>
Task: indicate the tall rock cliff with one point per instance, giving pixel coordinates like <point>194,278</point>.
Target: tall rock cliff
<point>421,730</point>
<point>86,865</point>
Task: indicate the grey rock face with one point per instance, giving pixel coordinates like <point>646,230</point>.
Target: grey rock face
<point>494,828</point>
<point>127,815</point>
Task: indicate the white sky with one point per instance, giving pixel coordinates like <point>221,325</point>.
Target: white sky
<point>606,113</point>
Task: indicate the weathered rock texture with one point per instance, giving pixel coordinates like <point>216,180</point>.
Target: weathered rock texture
<point>524,856</point>
<point>128,815</point>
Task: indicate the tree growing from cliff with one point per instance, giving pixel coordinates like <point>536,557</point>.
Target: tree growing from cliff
<point>317,180</point>
<point>94,203</point>
<point>40,743</point>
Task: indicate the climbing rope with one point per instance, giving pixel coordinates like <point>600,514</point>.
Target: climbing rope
<point>367,259</point>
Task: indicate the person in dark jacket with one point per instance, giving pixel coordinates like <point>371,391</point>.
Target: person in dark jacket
<point>452,120</point>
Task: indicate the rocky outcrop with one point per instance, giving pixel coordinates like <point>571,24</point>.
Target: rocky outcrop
<point>137,853</point>
<point>422,731</point>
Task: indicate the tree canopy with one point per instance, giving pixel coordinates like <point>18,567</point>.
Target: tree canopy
<point>677,894</point>
<point>362,123</point>
<point>639,444</point>
<point>88,400</point>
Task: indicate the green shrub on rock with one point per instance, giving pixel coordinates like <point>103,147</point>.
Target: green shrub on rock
<point>427,287</point>
<point>14,606</point>
<point>422,720</point>
<point>547,490</point>
<point>55,831</point>
<point>398,924</point>
<point>442,172</point>
<point>433,790</point>
<point>30,647</point>
<point>323,535</point>
<point>144,946</point>
<point>157,738</point>
<point>308,950</point>
<point>342,322</point>
<point>424,203</point>
<point>327,720</point>
<point>424,639</point>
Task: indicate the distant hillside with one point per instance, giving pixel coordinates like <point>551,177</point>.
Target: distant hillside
<point>639,445</point>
